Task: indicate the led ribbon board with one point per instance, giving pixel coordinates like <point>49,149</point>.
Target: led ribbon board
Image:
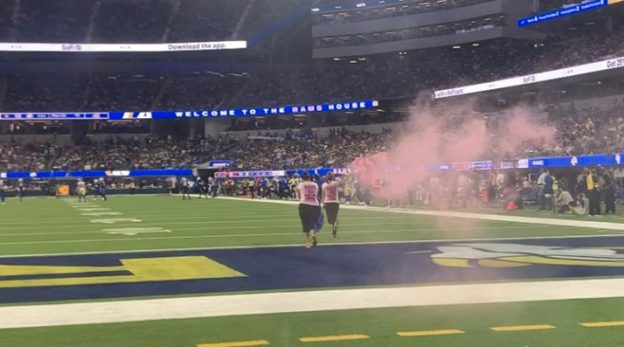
<point>564,12</point>
<point>603,65</point>
<point>236,112</point>
<point>120,47</point>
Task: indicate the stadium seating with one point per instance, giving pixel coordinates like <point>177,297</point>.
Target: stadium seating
<point>377,77</point>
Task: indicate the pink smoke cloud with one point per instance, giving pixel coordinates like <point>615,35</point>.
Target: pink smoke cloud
<point>445,135</point>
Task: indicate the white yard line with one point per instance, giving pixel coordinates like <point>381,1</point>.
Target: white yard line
<point>468,215</point>
<point>325,300</point>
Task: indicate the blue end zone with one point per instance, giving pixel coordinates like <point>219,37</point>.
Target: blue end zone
<point>323,267</point>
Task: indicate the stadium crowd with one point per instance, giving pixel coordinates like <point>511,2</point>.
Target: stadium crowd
<point>376,77</point>
<point>255,152</point>
<point>114,153</point>
<point>578,131</point>
<point>588,131</point>
<point>338,149</point>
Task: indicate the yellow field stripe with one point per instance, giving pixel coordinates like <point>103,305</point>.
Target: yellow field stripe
<point>430,332</point>
<point>602,324</point>
<point>524,327</point>
<point>236,344</point>
<point>334,338</point>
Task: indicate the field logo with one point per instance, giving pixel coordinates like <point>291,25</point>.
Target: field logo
<point>510,255</point>
<point>131,270</point>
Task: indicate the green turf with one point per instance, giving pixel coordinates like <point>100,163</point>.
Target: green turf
<point>51,226</point>
<point>44,226</point>
<point>381,325</point>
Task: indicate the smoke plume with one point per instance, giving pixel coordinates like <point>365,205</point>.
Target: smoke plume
<point>447,134</point>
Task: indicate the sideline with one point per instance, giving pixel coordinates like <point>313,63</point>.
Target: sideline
<point>467,215</point>
<point>310,301</point>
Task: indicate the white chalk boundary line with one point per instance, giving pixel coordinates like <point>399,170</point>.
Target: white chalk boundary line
<point>138,251</point>
<point>467,215</point>
<point>310,301</point>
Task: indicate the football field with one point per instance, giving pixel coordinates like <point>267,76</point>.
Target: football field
<point>159,271</point>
